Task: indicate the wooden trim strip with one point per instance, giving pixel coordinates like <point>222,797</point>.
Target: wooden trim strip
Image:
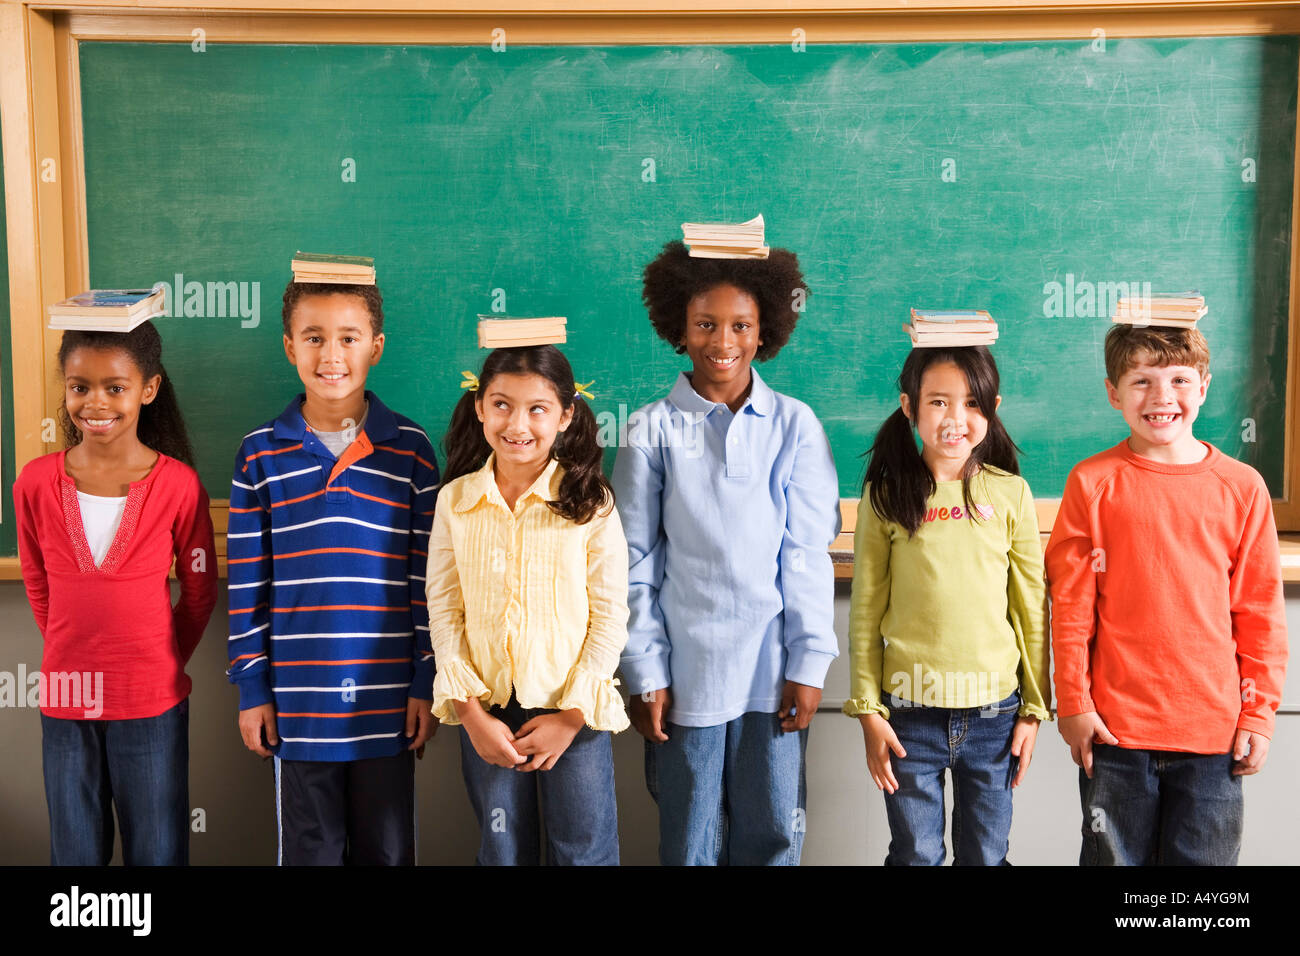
<point>34,220</point>
<point>678,8</point>
<point>817,27</point>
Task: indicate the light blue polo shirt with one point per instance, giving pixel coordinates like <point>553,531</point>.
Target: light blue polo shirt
<point>728,517</point>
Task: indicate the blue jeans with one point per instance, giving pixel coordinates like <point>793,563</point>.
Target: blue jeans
<point>1158,807</point>
<point>139,766</point>
<point>575,799</point>
<point>975,744</point>
<point>733,794</point>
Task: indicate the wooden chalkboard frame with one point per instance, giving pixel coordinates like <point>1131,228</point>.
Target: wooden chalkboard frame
<point>40,119</point>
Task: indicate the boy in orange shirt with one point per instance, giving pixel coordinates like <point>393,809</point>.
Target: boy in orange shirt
<point>1167,618</point>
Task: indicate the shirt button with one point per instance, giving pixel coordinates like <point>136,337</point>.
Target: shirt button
<point>510,555</point>
<point>735,439</point>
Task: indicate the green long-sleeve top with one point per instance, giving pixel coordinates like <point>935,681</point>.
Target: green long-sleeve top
<point>953,616</point>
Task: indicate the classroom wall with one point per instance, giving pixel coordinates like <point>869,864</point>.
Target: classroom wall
<point>846,819</point>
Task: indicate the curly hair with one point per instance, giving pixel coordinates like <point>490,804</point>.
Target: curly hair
<point>161,426</point>
<point>584,489</point>
<point>369,294</point>
<point>674,278</point>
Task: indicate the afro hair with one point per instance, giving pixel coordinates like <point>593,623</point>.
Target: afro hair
<point>674,278</point>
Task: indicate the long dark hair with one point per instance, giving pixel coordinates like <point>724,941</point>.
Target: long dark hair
<point>161,426</point>
<point>900,480</point>
<point>584,490</point>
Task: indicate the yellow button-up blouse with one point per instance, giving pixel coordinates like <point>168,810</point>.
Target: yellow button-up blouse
<point>525,600</point>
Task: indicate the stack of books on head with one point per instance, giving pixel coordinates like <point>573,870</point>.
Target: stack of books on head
<point>503,332</point>
<point>1173,310</point>
<point>720,240</point>
<point>337,270</point>
<point>947,328</point>
<point>107,310</point>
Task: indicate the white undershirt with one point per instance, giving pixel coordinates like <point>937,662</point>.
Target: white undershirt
<point>100,518</point>
<point>337,442</point>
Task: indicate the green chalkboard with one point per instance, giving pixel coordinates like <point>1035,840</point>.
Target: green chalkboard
<point>966,174</point>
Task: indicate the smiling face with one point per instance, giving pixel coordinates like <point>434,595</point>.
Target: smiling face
<point>104,391</point>
<point>722,336</point>
<point>521,415</point>
<point>948,419</point>
<point>333,348</point>
<point>1160,403</point>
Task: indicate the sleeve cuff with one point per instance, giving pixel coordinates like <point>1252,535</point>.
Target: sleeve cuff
<point>1074,707</point>
<point>254,691</point>
<point>807,667</point>
<point>646,673</point>
<point>601,705</point>
<point>1034,710</point>
<point>1256,725</point>
<point>422,679</point>
<point>860,707</point>
<point>456,680</point>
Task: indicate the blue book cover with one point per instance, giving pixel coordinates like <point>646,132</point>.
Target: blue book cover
<point>951,315</point>
<point>107,298</point>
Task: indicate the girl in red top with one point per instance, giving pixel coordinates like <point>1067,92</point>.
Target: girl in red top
<point>98,527</point>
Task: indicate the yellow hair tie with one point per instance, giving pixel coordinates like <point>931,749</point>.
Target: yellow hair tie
<point>471,381</point>
<point>582,390</point>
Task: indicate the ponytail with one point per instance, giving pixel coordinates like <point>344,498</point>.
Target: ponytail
<point>900,480</point>
<point>464,446</point>
<point>584,489</point>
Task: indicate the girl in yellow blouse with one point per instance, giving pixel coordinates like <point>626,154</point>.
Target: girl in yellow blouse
<point>527,592</point>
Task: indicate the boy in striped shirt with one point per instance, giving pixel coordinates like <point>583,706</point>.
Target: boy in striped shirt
<point>330,511</point>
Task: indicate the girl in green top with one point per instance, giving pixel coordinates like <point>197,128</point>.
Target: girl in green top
<point>946,628</point>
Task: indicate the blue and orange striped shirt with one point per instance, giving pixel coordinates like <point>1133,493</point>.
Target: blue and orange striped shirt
<point>326,560</point>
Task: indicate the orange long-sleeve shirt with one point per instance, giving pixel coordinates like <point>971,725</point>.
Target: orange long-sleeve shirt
<point>1167,609</point>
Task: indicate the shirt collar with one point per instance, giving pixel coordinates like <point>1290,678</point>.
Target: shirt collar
<point>380,423</point>
<point>684,396</point>
<point>483,484</point>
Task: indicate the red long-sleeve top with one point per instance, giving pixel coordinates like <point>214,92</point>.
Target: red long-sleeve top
<point>116,619</point>
<point>1167,608</point>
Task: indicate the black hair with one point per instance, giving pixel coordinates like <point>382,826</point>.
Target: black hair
<point>161,426</point>
<point>900,480</point>
<point>775,283</point>
<point>369,295</point>
<point>584,489</point>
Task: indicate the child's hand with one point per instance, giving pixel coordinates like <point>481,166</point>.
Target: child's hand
<point>803,700</point>
<point>881,739</point>
<point>421,725</point>
<point>491,738</point>
<point>545,738</point>
<point>1023,738</point>
<point>252,721</point>
<point>1249,751</point>
<point>1080,732</point>
<point>650,717</point>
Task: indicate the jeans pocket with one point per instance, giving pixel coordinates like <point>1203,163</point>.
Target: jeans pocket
<point>1006,706</point>
<point>899,705</point>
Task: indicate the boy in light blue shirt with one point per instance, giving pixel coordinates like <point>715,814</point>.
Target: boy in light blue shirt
<point>729,499</point>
